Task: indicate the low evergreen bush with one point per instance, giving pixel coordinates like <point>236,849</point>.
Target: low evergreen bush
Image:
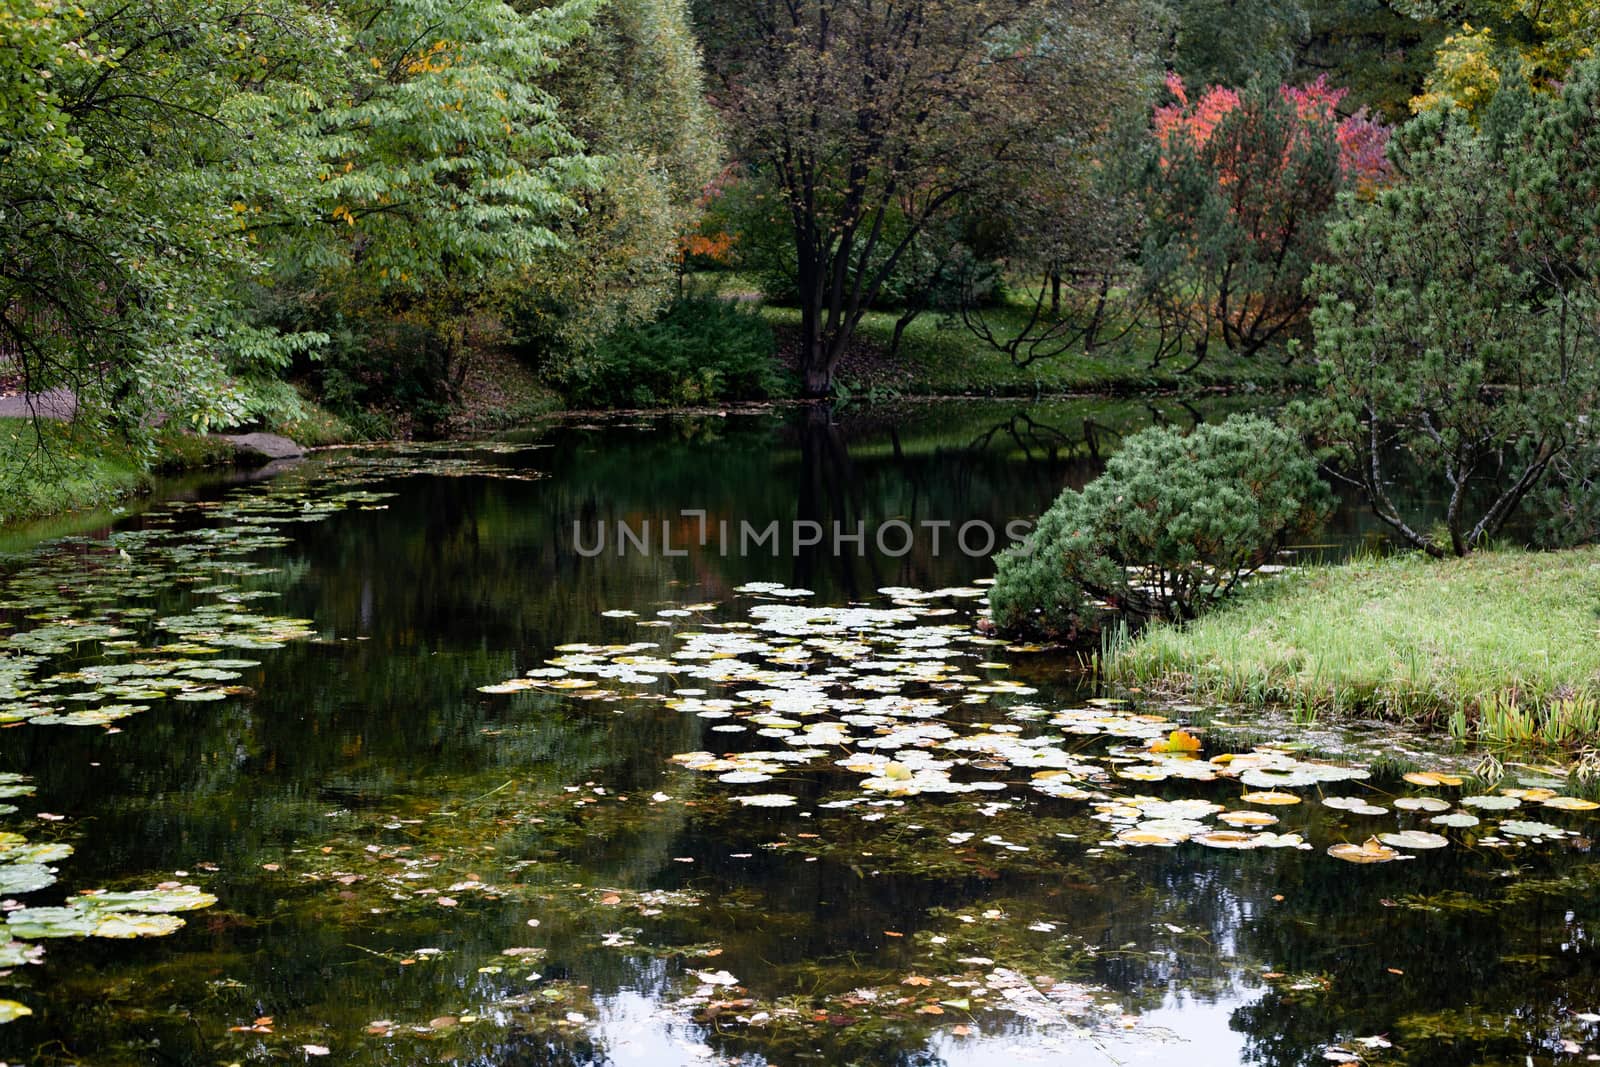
<point>1173,525</point>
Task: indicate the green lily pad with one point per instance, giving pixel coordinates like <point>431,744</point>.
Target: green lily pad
<point>119,925</point>
<point>19,954</point>
<point>51,922</point>
<point>1414,839</point>
<point>1421,804</point>
<point>10,1011</point>
<point>17,878</point>
<point>34,853</point>
<point>1457,819</point>
<point>154,901</point>
<point>1492,802</point>
<point>142,913</point>
<point>1524,828</point>
<point>1354,805</point>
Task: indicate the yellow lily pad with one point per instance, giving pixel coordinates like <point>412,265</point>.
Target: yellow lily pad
<point>1270,798</point>
<point>1570,804</point>
<point>1432,778</point>
<point>1370,851</point>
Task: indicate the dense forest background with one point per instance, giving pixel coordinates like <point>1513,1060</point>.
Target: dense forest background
<point>262,212</point>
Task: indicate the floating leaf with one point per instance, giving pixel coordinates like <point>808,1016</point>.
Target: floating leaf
<point>1521,828</point>
<point>1456,819</point>
<point>1354,805</point>
<point>1247,818</point>
<point>1570,804</point>
<point>1370,851</point>
<point>117,925</point>
<point>1270,798</point>
<point>768,800</point>
<point>1491,802</point>
<point>10,1011</point>
<point>1178,741</point>
<point>1414,839</point>
<point>1421,804</point>
<point>51,922</point>
<point>182,898</point>
<point>1432,778</point>
<point>17,878</point>
<point>1233,839</point>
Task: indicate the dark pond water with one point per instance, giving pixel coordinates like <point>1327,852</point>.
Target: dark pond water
<point>759,810</point>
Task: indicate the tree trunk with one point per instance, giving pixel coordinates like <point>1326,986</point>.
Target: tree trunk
<point>816,371</point>
<point>819,354</point>
<point>816,377</point>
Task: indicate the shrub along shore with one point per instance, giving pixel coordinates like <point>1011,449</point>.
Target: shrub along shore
<point>1499,646</point>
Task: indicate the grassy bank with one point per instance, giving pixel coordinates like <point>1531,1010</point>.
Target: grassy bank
<point>1501,646</point>
<point>939,356</point>
<point>50,467</point>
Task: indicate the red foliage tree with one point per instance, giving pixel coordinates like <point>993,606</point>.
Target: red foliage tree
<point>1236,201</point>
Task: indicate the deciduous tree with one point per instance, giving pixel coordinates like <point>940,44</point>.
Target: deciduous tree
<point>875,118</point>
<point>1236,193</point>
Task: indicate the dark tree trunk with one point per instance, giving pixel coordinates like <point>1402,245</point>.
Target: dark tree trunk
<point>816,377</point>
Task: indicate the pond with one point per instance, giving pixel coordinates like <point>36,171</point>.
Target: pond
<point>376,762</point>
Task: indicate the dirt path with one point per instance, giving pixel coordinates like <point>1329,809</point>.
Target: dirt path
<point>53,404</point>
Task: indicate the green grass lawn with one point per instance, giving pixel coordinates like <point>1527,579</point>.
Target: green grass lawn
<point>939,356</point>
<point>1503,646</point>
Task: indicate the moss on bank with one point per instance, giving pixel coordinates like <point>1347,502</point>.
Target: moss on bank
<point>1500,646</point>
<point>48,467</point>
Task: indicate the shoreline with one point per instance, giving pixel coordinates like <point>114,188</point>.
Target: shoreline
<point>95,473</point>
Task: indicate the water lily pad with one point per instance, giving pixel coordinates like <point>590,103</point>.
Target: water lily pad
<point>1459,820</point>
<point>120,926</point>
<point>183,898</point>
<point>1432,778</point>
<point>1523,828</point>
<point>10,1011</point>
<point>1354,805</point>
<point>1177,741</point>
<point>23,852</point>
<point>1570,804</point>
<point>1370,851</point>
<point>1492,802</point>
<point>768,800</point>
<point>1414,839</point>
<point>1263,778</point>
<point>745,777</point>
<point>1270,798</point>
<point>1421,804</point>
<point>19,954</point>
<point>515,685</point>
<point>142,913</point>
<point>1226,839</point>
<point>17,878</point>
<point>51,922</point>
<point>1247,818</point>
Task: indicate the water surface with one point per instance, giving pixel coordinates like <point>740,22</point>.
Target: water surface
<point>409,869</point>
